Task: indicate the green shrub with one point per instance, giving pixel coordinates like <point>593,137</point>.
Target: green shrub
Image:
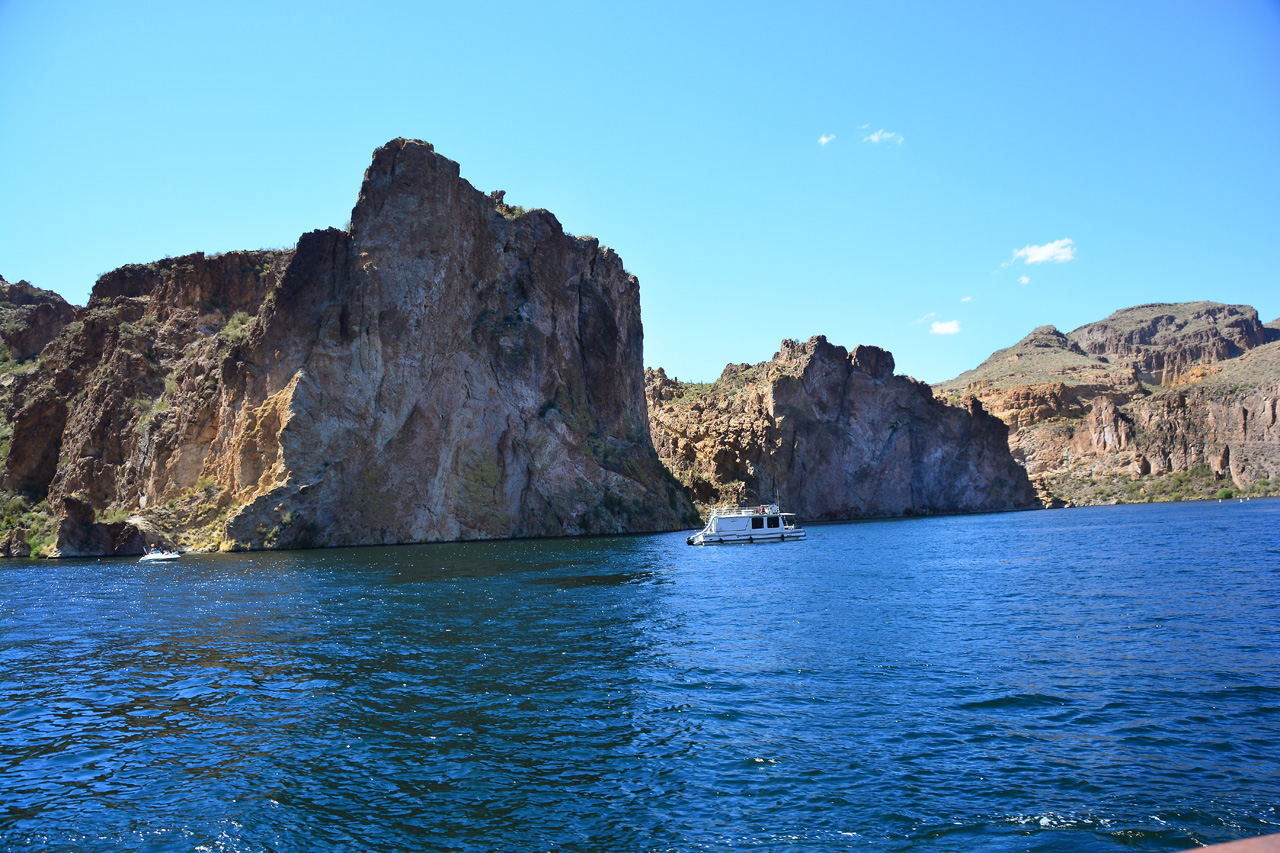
<point>1225,494</point>
<point>113,515</point>
<point>236,329</point>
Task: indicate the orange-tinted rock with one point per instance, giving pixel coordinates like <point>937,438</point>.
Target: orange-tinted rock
<point>1095,419</point>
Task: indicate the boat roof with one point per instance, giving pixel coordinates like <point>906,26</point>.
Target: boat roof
<point>761,509</point>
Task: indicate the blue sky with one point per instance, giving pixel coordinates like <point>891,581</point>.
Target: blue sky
<point>687,137</point>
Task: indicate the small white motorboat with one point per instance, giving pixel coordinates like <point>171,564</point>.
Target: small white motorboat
<point>158,556</point>
<point>749,524</point>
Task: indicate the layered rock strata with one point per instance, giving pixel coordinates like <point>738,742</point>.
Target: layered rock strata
<point>450,367</point>
<point>1154,402</point>
<point>831,435</point>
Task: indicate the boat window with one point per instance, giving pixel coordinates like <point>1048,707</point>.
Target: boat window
<point>773,521</point>
<point>757,523</point>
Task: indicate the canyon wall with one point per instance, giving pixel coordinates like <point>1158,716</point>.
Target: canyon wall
<point>451,367</point>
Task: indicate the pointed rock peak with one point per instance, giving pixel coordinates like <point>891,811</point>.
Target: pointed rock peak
<point>1047,337</point>
<point>411,192</point>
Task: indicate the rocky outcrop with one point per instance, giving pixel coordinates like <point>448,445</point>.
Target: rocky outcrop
<point>451,367</point>
<point>832,435</point>
<point>1155,402</point>
<point>1161,341</point>
<point>29,319</point>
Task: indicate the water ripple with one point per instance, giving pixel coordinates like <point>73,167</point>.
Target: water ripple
<point>1095,680</point>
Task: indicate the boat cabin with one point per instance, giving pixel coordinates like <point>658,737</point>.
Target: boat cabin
<point>763,523</point>
<point>745,523</point>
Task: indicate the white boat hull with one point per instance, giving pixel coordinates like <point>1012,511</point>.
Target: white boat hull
<point>754,538</point>
<point>160,557</point>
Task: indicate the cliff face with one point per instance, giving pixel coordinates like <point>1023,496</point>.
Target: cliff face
<point>832,435</point>
<point>1161,342</point>
<point>1155,402</point>
<point>451,368</point>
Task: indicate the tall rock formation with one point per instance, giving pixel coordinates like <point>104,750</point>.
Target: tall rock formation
<point>1163,401</point>
<point>832,435</point>
<point>451,367</point>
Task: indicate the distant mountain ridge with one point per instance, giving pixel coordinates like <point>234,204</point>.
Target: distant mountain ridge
<point>1157,401</point>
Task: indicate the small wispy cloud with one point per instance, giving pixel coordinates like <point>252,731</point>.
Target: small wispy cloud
<point>926,318</point>
<point>951,327</point>
<point>1024,279</point>
<point>863,126</point>
<point>1059,251</point>
<point>966,299</point>
<point>882,135</point>
<point>825,138</point>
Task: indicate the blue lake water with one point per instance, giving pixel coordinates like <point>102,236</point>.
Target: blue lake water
<point>1082,680</point>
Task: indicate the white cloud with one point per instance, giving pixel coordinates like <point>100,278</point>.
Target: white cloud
<point>863,126</point>
<point>951,327</point>
<point>883,135</point>
<point>925,318</point>
<point>825,138</point>
<point>1024,279</point>
<point>1059,251</point>
<point>967,299</point>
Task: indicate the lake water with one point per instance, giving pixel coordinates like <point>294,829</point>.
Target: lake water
<point>1079,680</point>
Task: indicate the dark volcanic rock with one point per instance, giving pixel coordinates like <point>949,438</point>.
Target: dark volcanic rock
<point>833,436</point>
<point>80,535</point>
<point>30,318</point>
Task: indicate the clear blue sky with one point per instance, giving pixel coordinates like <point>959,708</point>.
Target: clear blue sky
<point>686,136</point>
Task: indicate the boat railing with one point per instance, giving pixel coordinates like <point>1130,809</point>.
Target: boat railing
<point>759,509</point>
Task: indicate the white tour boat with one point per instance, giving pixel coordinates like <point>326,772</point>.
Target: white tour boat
<point>156,556</point>
<point>748,524</point>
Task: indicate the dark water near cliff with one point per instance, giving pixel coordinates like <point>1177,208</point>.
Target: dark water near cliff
<point>1098,679</point>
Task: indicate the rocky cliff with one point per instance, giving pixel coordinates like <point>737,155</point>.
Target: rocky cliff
<point>450,367</point>
<point>1162,342</point>
<point>29,319</point>
<point>832,435</point>
<point>1157,402</point>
